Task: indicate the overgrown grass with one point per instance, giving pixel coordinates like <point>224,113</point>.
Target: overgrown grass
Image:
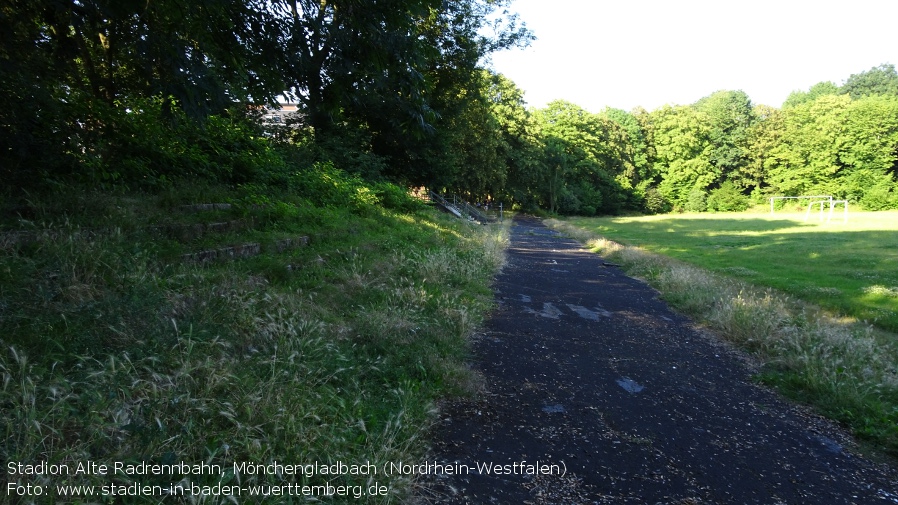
<point>112,349</point>
<point>845,369</point>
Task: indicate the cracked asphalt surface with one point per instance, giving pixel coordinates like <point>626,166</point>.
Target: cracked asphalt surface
<point>596,392</point>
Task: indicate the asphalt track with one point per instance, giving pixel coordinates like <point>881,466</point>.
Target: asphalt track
<point>597,392</point>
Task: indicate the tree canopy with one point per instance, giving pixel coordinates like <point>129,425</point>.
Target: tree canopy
<point>370,76</point>
<point>145,93</point>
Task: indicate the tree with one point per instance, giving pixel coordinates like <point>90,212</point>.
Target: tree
<point>33,117</point>
<point>75,70</point>
<point>870,137</point>
<point>731,115</point>
<point>558,164</point>
<point>682,142</point>
<point>834,145</point>
<point>808,157</point>
<point>341,51</point>
<point>820,89</point>
<point>416,121</point>
<point>881,80</point>
<point>475,138</point>
<point>764,135</point>
<point>387,83</point>
<point>586,178</point>
<point>632,148</point>
<point>520,147</point>
<point>205,55</point>
<point>650,177</point>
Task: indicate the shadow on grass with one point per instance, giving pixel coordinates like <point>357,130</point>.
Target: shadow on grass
<point>853,273</point>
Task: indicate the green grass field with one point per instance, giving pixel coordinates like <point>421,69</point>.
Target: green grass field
<point>848,268</point>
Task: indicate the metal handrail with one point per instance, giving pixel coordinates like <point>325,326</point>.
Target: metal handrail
<point>474,212</point>
<point>460,208</point>
<point>434,197</point>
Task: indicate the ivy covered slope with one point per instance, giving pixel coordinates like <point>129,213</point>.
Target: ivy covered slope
<point>324,332</point>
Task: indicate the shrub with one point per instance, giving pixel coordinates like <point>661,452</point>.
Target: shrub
<point>696,201</point>
<point>727,198</point>
<point>581,199</point>
<point>568,203</point>
<point>394,197</point>
<point>880,197</point>
<point>655,203</point>
<point>327,186</point>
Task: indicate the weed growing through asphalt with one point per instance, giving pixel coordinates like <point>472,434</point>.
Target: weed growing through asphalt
<point>846,369</point>
<point>114,349</point>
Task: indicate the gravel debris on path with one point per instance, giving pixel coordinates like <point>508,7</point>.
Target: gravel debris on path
<point>597,393</point>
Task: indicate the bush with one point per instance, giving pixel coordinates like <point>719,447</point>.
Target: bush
<point>696,201</point>
<point>880,197</point>
<point>150,142</point>
<point>655,203</point>
<point>727,198</point>
<point>567,202</point>
<point>394,197</point>
<point>327,186</point>
<point>580,199</point>
<point>346,146</point>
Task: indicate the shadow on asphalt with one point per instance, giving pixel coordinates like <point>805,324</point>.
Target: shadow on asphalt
<point>598,393</point>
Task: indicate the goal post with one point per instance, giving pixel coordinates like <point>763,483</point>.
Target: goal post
<point>822,204</point>
<point>813,200</point>
<point>773,199</point>
<point>832,206</point>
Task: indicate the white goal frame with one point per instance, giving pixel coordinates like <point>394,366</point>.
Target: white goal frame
<point>821,200</point>
<point>773,199</point>
<point>832,206</point>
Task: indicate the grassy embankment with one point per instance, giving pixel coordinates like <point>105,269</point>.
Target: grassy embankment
<point>114,347</point>
<point>816,302</point>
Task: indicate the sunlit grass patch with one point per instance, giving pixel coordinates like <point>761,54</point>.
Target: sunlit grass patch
<point>836,265</point>
<point>881,291</point>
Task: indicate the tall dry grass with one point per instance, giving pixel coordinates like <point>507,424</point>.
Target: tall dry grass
<point>109,354</point>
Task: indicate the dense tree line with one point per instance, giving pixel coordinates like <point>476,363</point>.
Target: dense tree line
<point>140,93</point>
<point>721,153</point>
